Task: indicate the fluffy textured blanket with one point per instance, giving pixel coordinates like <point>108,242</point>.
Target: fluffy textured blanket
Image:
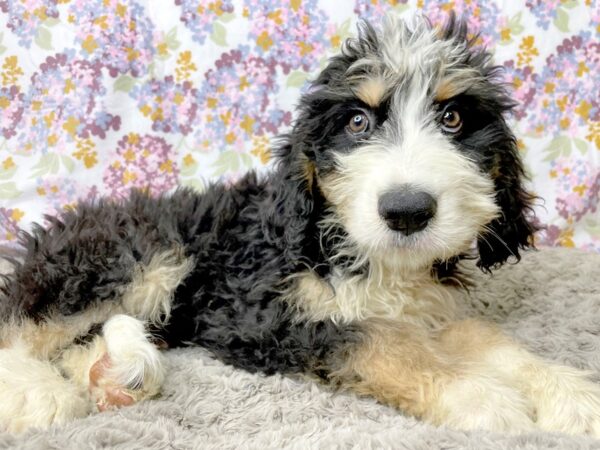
<point>550,302</point>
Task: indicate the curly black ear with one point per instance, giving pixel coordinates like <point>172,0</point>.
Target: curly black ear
<point>513,230</point>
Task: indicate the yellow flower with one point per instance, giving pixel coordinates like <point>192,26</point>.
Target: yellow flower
<point>185,66</point>
<point>17,214</point>
<point>89,44</point>
<point>264,41</point>
<point>11,71</point>
<point>188,160</point>
<point>8,163</point>
<point>247,124</point>
<point>167,166</point>
<point>230,137</point>
<point>128,177</point>
<point>527,51</point>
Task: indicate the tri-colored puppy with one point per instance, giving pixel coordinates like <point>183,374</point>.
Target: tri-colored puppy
<point>341,263</point>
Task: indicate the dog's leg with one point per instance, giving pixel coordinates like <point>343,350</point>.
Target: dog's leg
<point>564,398</point>
<point>33,393</point>
<point>120,367</point>
<point>401,365</point>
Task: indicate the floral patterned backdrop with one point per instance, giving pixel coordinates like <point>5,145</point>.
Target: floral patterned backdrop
<point>99,96</point>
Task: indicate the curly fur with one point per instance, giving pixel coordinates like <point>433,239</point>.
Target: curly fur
<point>295,271</point>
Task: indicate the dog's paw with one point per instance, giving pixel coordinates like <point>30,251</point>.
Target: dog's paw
<point>485,403</point>
<point>568,402</point>
<point>33,393</point>
<point>130,370</point>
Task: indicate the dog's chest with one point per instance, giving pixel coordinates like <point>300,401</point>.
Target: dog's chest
<point>347,298</point>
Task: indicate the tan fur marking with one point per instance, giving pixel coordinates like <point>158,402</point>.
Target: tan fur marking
<point>309,172</point>
<point>148,297</point>
<point>45,339</point>
<point>455,83</point>
<point>445,378</point>
<point>149,294</point>
<point>372,91</point>
<point>399,366</point>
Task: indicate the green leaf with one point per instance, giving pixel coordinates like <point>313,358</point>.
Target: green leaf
<point>2,49</point>
<point>296,79</point>
<point>246,159</point>
<point>515,20</point>
<point>561,21</point>
<point>124,83</point>
<point>552,155</point>
<point>171,39</point>
<point>344,29</point>
<point>7,173</point>
<point>67,161</point>
<point>592,226</point>
<point>581,145</point>
<point>227,161</point>
<point>48,163</point>
<point>9,190</point>
<point>570,4</point>
<point>188,170</point>
<point>219,34</point>
<point>43,38</point>
<point>562,144</point>
<point>559,146</point>
<point>51,21</point>
<point>517,29</point>
<point>227,17</point>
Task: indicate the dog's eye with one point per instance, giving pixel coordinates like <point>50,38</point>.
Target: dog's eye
<point>358,123</point>
<point>451,121</point>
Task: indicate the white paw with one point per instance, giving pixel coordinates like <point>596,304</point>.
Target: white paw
<point>34,394</point>
<point>130,370</point>
<point>485,403</point>
<point>567,402</point>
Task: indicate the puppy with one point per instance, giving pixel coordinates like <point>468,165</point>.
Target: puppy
<point>340,264</point>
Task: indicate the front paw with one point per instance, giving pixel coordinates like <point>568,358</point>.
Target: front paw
<point>568,402</point>
<point>485,403</point>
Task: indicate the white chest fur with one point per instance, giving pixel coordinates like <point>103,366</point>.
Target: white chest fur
<point>415,299</point>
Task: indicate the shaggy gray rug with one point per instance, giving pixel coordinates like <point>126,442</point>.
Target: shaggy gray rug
<point>550,302</point>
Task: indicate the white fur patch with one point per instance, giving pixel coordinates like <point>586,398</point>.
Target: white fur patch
<point>415,299</point>
<point>426,160</point>
<point>135,361</point>
<point>481,401</point>
<point>33,393</point>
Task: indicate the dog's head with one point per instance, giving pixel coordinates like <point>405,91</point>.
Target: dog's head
<point>403,134</point>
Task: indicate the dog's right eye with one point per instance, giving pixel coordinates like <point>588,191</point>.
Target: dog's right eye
<point>359,123</point>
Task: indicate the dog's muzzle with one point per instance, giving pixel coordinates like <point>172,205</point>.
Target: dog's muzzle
<point>406,209</point>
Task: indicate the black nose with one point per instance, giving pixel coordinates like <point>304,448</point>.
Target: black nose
<point>407,210</point>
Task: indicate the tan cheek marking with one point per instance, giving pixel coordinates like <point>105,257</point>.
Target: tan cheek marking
<point>372,91</point>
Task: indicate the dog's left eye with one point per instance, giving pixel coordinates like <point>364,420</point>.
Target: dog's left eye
<point>451,121</point>
<point>359,123</point>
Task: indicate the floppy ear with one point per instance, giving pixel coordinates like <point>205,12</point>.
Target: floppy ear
<point>513,230</point>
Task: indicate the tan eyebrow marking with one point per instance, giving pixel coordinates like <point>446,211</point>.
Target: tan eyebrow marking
<point>456,83</point>
<point>372,91</point>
